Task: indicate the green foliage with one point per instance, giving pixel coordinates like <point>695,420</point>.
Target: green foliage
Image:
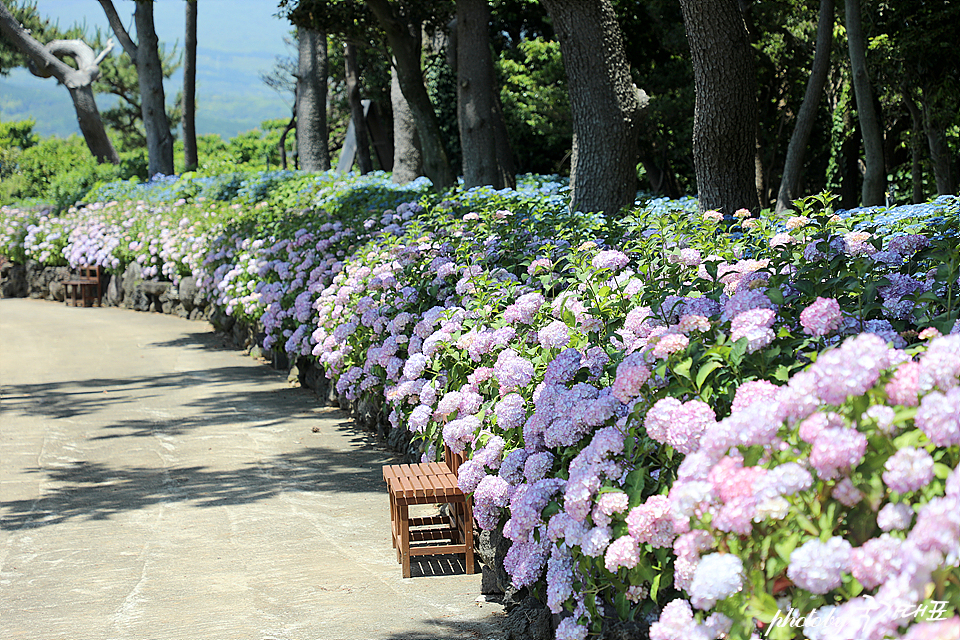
<point>15,138</point>
<point>54,170</point>
<point>259,148</point>
<point>536,107</point>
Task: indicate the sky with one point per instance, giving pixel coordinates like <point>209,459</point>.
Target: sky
<point>236,41</point>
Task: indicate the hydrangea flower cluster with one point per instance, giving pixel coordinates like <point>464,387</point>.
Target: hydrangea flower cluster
<point>577,384</point>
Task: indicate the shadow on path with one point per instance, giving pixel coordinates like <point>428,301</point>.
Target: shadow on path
<point>96,491</point>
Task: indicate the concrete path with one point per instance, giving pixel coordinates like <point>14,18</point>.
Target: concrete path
<point>154,485</point>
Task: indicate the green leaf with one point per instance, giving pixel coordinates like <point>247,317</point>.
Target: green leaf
<point>738,351</point>
<point>682,368</point>
<point>705,371</point>
<point>806,524</point>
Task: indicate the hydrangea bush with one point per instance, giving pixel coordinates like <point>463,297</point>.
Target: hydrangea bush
<point>715,426</point>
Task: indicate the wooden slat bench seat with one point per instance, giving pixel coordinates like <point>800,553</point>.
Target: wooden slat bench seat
<point>84,286</point>
<point>432,483</point>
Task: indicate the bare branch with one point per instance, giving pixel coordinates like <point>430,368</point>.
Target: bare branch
<point>125,41</point>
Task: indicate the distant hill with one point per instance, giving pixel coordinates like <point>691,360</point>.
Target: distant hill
<point>237,40</point>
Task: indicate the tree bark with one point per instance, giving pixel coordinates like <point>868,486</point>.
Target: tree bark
<point>874,178</point>
<point>793,166</point>
<point>916,161</point>
<point>479,116</point>
<point>940,156</point>
<point>146,56</point>
<point>352,75</point>
<point>153,102</point>
<point>605,105</point>
<point>407,159</point>
<point>191,161</point>
<point>404,41</point>
<point>46,63</point>
<point>282,145</point>
<point>312,101</point>
<point>725,115</point>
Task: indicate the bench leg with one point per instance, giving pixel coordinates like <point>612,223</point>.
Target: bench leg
<point>403,521</point>
<point>468,534</point>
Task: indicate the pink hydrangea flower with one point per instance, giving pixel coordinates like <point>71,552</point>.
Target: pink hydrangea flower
<point>632,374</point>
<point>821,317</point>
<point>877,560</point>
<point>819,566</point>
<point>836,450</point>
<point>939,417</point>
<point>718,576</point>
<point>669,343</point>
<point>555,335</point>
<point>895,516</point>
<point>754,325</point>
<point>754,391</point>
<point>677,623</point>
<point>622,552</point>
<point>904,386</point>
<point>652,522</point>
<point>611,259</point>
<point>908,469</point>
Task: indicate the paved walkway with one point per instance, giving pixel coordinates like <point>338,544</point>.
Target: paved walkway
<point>155,485</point>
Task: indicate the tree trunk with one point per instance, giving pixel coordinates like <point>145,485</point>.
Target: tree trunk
<point>407,160</point>
<point>793,167</point>
<point>46,63</point>
<point>916,157</point>
<point>352,74</point>
<point>283,138</point>
<point>725,116</point>
<point>91,126</point>
<point>479,116</point>
<point>312,101</point>
<point>152,102</point>
<point>940,155</point>
<point>191,161</point>
<point>404,41</point>
<point>874,178</point>
<point>604,103</point>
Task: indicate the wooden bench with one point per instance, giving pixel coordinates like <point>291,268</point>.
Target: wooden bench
<point>84,286</point>
<point>433,483</point>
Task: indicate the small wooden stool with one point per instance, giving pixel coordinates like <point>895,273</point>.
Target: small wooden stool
<point>429,483</point>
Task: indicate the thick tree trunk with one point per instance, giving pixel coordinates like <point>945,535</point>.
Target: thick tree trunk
<point>46,63</point>
<point>312,101</point>
<point>152,101</point>
<point>605,105</point>
<point>191,161</point>
<point>793,167</point>
<point>479,116</point>
<point>725,116</point>
<point>91,126</point>
<point>352,74</point>
<point>407,160</point>
<point>404,41</point>
<point>874,178</point>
